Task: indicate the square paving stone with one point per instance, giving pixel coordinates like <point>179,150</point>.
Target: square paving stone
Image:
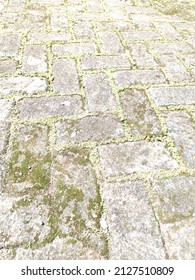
<point>134,157</point>
<point>182,129</point>
<point>45,107</point>
<point>133,229</point>
<point>141,117</point>
<point>91,128</point>
<point>65,76</point>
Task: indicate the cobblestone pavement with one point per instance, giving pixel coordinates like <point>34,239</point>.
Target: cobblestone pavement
<point>97,129</point>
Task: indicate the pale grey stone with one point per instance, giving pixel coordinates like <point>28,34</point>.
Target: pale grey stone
<point>126,78</point>
<point>28,85</point>
<point>168,30</point>
<point>133,229</point>
<point>98,92</point>
<point>45,107</point>
<point>141,36</point>
<point>34,59</point>
<point>91,128</point>
<point>182,129</point>
<point>84,30</point>
<point>65,76</point>
<point>114,25</point>
<point>9,44</point>
<point>5,110</point>
<point>74,49</point>
<point>59,21</point>
<point>171,47</point>
<point>110,42</point>
<point>86,16</point>
<point>7,66</point>
<point>39,37</point>
<point>189,59</point>
<point>141,117</point>
<point>164,96</point>
<point>142,21</point>
<point>104,62</point>
<point>134,157</point>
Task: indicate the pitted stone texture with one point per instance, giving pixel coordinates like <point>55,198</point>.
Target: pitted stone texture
<point>174,69</point>
<point>45,107</point>
<point>9,44</point>
<point>182,129</point>
<point>174,199</point>
<point>65,76</point>
<point>168,31</point>
<point>83,16</point>
<point>104,62</point>
<point>22,224</point>
<point>141,117</point>
<point>164,96</point>
<point>91,128</point>
<point>142,21</point>
<point>141,36</point>
<point>84,30</point>
<point>171,47</point>
<point>134,157</point>
<point>34,59</point>
<point>190,38</point>
<point>44,37</point>
<point>5,110</point>
<point>59,249</point>
<point>110,42</point>
<point>114,25</point>
<point>126,78</point>
<point>58,21</point>
<point>7,66</point>
<point>180,239</point>
<point>74,49</point>
<point>142,57</point>
<point>98,92</point>
<point>133,229</point>
<point>26,85</point>
<point>189,59</point>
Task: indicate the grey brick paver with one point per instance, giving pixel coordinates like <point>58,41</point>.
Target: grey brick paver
<point>97,125</point>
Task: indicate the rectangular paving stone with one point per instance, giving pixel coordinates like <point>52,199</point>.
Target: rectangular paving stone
<point>44,37</point>
<point>168,30</point>
<point>114,25</point>
<point>110,42</point>
<point>142,57</point>
<point>5,110</point>
<point>133,229</point>
<point>174,69</point>
<point>84,16</point>
<point>104,62</point>
<point>189,59</point>
<point>141,36</point>
<point>174,199</point>
<point>98,93</point>
<point>26,85</point>
<point>45,107</point>
<point>65,76</point>
<point>7,66</point>
<point>142,21</point>
<point>34,59</point>
<point>74,49</point>
<point>171,47</point>
<point>185,26</point>
<point>84,30</point>
<point>9,44</point>
<point>182,129</point>
<point>125,78</point>
<point>134,157</point>
<point>141,117</point>
<point>91,128</point>
<point>165,96</point>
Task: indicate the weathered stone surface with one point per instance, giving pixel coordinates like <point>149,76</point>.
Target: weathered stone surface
<point>84,30</point>
<point>9,44</point>
<point>141,116</point>
<point>141,36</point>
<point>35,59</point>
<point>5,110</point>
<point>115,25</point>
<point>171,47</point>
<point>182,129</point>
<point>164,96</point>
<point>168,31</point>
<point>7,66</point>
<point>46,107</point>
<point>74,49</point>
<point>180,239</point>
<point>44,37</point>
<point>65,76</point>
<point>110,42</point>
<point>174,199</point>
<point>134,157</point>
<point>92,128</point>
<point>133,229</point>
<point>26,85</point>
<point>98,92</point>
<point>58,21</point>
<point>189,59</point>
<point>138,77</point>
<point>104,62</point>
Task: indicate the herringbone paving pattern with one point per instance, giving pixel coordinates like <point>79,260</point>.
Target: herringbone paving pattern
<point>97,129</point>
